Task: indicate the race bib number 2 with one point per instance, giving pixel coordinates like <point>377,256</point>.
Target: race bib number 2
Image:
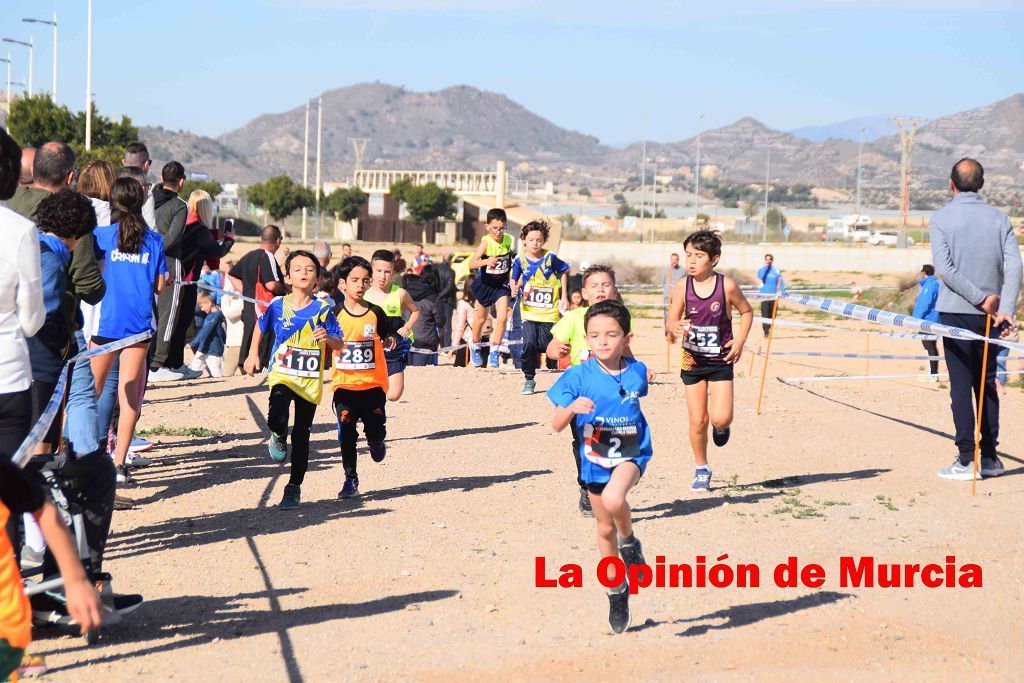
<point>608,445</point>
<point>357,355</point>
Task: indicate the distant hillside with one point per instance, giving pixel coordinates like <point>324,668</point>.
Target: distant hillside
<point>199,154</point>
<point>456,127</point>
<point>877,126</point>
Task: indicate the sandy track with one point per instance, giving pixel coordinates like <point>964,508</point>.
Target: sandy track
<point>431,574</point>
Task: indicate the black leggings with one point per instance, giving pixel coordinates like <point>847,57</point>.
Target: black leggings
<point>89,483</point>
<point>277,419</point>
<point>932,347</point>
<point>15,423</point>
<point>351,406</point>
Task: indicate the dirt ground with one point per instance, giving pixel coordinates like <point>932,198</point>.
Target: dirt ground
<point>430,575</point>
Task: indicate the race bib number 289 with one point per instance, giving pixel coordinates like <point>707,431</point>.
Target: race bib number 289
<point>357,355</point>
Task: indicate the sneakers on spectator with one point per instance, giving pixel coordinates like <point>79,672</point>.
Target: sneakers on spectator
<point>720,436</point>
<point>378,449</point>
<point>958,472</point>
<point>136,460</point>
<point>188,373</point>
<point>165,375</point>
<point>123,502</point>
<point>529,386</point>
<point>476,355</point>
<point>140,445</point>
<point>992,467</point>
<point>585,508</point>
<point>494,359</point>
<point>350,489</point>
<point>290,500</point>
<point>701,480</point>
<point>277,446</point>
<point>618,609</point>
<point>123,476</point>
<point>30,559</point>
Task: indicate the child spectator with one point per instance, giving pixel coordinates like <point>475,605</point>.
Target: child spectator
<point>208,345</point>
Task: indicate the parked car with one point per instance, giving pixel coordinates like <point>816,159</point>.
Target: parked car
<point>860,233</point>
<point>887,238</point>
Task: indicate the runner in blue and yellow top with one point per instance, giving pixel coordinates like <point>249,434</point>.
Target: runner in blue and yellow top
<point>494,259</point>
<point>602,397</point>
<point>396,304</point>
<point>302,324</point>
<point>543,278</point>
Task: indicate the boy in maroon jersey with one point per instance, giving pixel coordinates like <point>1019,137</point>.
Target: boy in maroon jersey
<point>701,315</point>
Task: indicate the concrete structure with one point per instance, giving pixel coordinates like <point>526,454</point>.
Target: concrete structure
<point>822,257</point>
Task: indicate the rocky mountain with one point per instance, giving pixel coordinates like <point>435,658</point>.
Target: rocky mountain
<point>455,127</point>
<point>466,128</point>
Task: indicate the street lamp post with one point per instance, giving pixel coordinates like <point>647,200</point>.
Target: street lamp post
<point>8,60</point>
<point>305,170</point>
<point>54,24</point>
<point>860,153</point>
<point>319,158</point>
<point>88,80</point>
<point>696,177</point>
<point>30,49</point>
<point>767,176</point>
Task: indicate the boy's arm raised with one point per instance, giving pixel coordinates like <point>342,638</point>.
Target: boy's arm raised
<point>478,260</point>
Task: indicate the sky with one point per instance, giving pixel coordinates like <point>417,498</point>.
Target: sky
<point>594,66</point>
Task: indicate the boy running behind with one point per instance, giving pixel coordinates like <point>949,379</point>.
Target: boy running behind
<point>494,259</point>
<point>360,376</point>
<point>394,301</point>
<point>701,315</point>
<point>543,277</point>
<point>602,397</point>
<point>301,324</point>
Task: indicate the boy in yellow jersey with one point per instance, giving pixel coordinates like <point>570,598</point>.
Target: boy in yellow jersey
<point>302,325</point>
<point>394,301</point>
<point>543,277</point>
<point>19,494</point>
<point>360,376</point>
<point>494,259</point>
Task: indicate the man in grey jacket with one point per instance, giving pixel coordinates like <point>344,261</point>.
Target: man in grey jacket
<point>976,254</point>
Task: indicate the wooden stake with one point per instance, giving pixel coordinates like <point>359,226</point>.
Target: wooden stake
<point>768,350</point>
<point>753,355</point>
<point>981,406</point>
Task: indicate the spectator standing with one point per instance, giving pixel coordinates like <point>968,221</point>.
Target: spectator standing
<point>420,259</point>
<point>175,304</point>
<point>445,295</point>
<point>208,345</point>
<point>771,283</point>
<point>257,276</point>
<point>426,330</point>
<point>976,254</point>
<point>28,159</point>
<point>673,274</point>
<point>322,252</point>
<point>136,155</point>
<point>924,308</point>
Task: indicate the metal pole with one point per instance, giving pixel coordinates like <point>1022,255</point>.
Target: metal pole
<point>305,170</point>
<point>696,179</point>
<point>654,198</point>
<point>31,58</point>
<point>767,174</point>
<point>860,154</point>
<point>319,157</point>
<point>88,80</point>
<point>643,180</point>
<point>8,82</point>
<point>55,58</point>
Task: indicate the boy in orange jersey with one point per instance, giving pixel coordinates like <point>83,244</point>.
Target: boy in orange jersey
<point>360,377</point>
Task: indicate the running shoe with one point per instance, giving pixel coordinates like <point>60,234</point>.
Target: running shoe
<point>32,666</point>
<point>127,603</point>
<point>631,551</point>
<point>277,446</point>
<point>720,436</point>
<point>494,359</point>
<point>350,489</point>
<point>188,373</point>
<point>378,449</point>
<point>123,476</point>
<point>958,472</point>
<point>529,386</point>
<point>140,445</point>
<point>123,502</point>
<point>992,467</point>
<point>290,500</point>
<point>618,610</point>
<point>476,355</point>
<point>701,480</point>
<point>165,375</point>
<point>585,509</point>
<point>136,460</point>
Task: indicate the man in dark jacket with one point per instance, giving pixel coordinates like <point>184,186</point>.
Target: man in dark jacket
<point>446,296</point>
<point>176,304</point>
<point>423,289</point>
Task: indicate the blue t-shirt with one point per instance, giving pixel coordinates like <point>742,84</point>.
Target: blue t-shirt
<point>128,304</point>
<point>616,431</point>
<point>298,359</point>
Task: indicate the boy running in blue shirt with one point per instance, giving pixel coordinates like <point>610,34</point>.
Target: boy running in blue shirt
<point>602,396</point>
<point>543,278</point>
<point>302,325</point>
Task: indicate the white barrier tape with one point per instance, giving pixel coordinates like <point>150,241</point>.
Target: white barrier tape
<point>826,328</point>
<point>874,315</point>
<point>38,433</point>
<point>450,349</point>
<point>788,380</point>
<point>869,356</point>
<point>224,292</point>
<point>752,288</point>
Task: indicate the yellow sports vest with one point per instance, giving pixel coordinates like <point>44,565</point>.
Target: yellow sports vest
<point>540,294</point>
<point>497,275</point>
<point>392,306</point>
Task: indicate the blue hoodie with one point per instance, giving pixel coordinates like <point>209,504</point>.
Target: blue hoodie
<point>924,307</point>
